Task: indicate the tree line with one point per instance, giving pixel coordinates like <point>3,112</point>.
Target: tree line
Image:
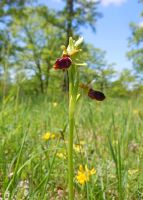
<point>31,36</point>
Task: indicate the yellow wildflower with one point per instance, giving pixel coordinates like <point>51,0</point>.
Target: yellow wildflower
<point>55,104</point>
<point>78,148</point>
<point>92,171</point>
<point>84,174</point>
<point>82,178</point>
<point>81,168</point>
<point>47,136</point>
<point>61,155</point>
<point>53,136</point>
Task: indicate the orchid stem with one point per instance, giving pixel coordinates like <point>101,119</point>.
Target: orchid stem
<point>72,104</point>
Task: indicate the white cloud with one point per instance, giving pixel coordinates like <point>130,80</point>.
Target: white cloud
<point>113,2</point>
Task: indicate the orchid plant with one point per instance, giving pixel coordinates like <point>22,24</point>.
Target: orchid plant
<point>71,61</point>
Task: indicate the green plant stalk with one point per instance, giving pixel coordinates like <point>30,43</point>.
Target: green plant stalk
<point>72,105</point>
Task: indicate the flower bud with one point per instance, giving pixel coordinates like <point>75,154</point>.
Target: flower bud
<point>93,94</point>
<point>63,63</point>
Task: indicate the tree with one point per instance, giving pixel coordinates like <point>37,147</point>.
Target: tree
<point>34,37</point>
<point>103,72</point>
<point>124,84</point>
<point>79,13</point>
<point>136,45</point>
<point>7,7</point>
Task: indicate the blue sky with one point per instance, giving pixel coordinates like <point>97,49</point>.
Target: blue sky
<point>112,29</point>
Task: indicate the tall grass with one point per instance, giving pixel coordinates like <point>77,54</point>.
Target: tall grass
<point>30,167</point>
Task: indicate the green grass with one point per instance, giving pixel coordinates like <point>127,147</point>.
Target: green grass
<point>112,132</point>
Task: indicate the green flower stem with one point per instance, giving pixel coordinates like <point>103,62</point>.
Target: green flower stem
<point>72,105</point>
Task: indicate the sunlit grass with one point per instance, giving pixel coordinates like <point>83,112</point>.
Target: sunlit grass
<point>108,138</point>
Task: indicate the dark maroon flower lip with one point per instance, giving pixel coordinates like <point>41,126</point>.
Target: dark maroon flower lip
<point>63,63</point>
<point>97,95</point>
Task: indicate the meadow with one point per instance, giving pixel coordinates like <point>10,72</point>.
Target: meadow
<point>71,100</point>
<point>108,150</point>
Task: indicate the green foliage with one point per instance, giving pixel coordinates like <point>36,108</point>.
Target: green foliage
<point>103,73</point>
<point>135,44</point>
<point>123,86</point>
<point>30,41</point>
<point>83,13</point>
<point>34,37</point>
